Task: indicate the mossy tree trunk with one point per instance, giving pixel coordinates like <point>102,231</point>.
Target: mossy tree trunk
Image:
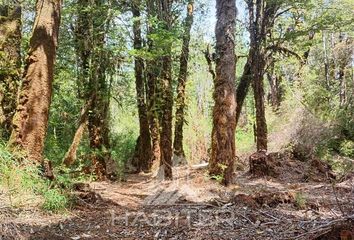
<point>98,117</point>
<point>31,118</point>
<point>83,46</point>
<point>224,112</point>
<point>152,71</point>
<point>165,16</point>
<point>10,64</point>
<point>144,151</point>
<point>181,87</point>
<point>261,20</point>
<point>242,88</point>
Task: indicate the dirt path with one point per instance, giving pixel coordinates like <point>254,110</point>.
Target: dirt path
<point>194,207</point>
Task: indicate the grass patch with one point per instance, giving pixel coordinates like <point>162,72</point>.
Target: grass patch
<point>23,186</point>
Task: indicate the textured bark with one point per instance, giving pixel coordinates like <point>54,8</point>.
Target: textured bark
<point>166,119</point>
<point>242,88</point>
<point>70,156</point>
<point>31,118</point>
<point>84,47</point>
<point>144,151</point>
<point>181,87</point>
<point>98,90</point>
<point>92,84</point>
<point>261,19</point>
<point>276,92</point>
<point>343,56</point>
<point>224,112</point>
<point>165,15</point>
<point>153,70</point>
<point>98,113</point>
<point>10,64</point>
<point>258,66</point>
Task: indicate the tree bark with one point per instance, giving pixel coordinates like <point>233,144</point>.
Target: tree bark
<point>258,89</point>
<point>10,64</point>
<point>153,70</point>
<point>242,88</point>
<point>31,118</point>
<point>84,47</point>
<point>181,87</point>
<point>165,16</point>
<point>275,94</point>
<point>144,151</point>
<point>99,91</point>
<point>261,19</point>
<point>224,112</point>
<point>70,156</point>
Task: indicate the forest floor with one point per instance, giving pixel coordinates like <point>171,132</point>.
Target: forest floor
<point>300,203</point>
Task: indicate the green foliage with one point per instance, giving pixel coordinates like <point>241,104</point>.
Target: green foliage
<point>220,177</point>
<point>300,200</point>
<point>124,134</point>
<point>347,148</point>
<point>245,140</point>
<point>23,184</point>
<point>54,200</point>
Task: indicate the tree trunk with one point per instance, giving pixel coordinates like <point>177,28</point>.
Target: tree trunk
<point>10,64</point>
<point>261,19</point>
<point>242,88</point>
<point>31,118</point>
<point>181,87</point>
<point>224,112</point>
<point>70,156</point>
<point>152,92</point>
<point>165,16</point>
<point>144,151</point>
<point>99,90</point>
<point>275,94</point>
<point>258,88</point>
<point>98,114</point>
<point>342,86</point>
<point>84,47</point>
<point>166,119</point>
<point>83,44</point>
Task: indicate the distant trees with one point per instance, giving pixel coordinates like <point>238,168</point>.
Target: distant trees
<point>31,118</point>
<point>224,112</point>
<point>10,64</point>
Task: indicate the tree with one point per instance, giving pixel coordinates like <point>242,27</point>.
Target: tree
<point>99,92</point>
<point>10,64</point>
<point>182,79</point>
<point>84,47</point>
<point>224,112</point>
<point>165,17</point>
<point>242,88</point>
<point>144,151</point>
<point>31,118</point>
<point>152,71</point>
<point>261,19</point>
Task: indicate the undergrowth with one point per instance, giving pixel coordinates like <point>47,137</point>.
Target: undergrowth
<point>22,185</point>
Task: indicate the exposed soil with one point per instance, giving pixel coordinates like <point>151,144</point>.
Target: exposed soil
<point>195,207</point>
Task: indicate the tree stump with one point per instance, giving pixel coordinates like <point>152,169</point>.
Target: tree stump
<point>262,165</point>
